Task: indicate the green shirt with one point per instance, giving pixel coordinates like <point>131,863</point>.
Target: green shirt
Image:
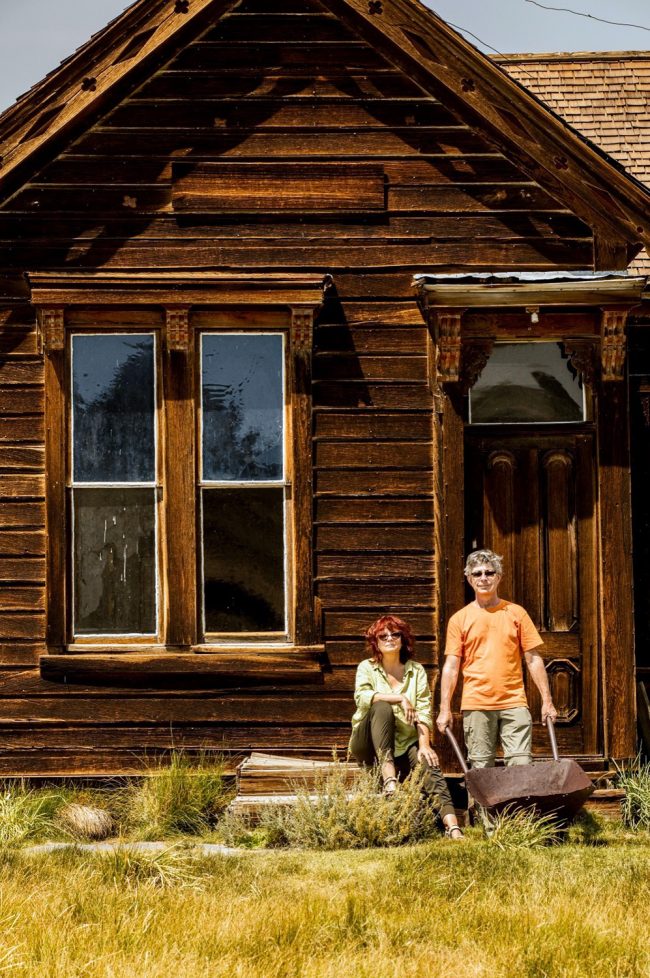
<point>372,678</point>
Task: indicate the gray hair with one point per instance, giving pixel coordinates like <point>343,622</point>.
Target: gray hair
<point>484,557</point>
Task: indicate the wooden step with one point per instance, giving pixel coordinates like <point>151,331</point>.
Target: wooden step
<point>219,670</point>
<point>266,774</point>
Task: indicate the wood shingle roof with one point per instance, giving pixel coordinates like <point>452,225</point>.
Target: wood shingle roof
<point>604,95</point>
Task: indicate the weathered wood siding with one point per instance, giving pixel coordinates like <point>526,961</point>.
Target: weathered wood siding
<point>291,86</point>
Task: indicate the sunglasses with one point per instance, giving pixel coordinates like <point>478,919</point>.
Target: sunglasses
<point>386,635</point>
<point>482,573</point>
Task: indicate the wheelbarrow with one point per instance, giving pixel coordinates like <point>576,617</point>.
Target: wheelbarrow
<point>559,786</point>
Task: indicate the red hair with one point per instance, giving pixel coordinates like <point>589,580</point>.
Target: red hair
<point>394,624</point>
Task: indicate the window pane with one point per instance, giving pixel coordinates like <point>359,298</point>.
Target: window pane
<point>242,380</point>
<point>243,554</point>
<point>113,408</point>
<point>114,561</point>
<point>527,383</point>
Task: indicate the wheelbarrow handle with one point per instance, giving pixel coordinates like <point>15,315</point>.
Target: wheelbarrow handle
<point>550,726</point>
<point>457,750</point>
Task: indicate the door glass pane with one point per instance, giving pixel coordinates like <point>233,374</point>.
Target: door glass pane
<point>113,413</point>
<point>527,383</point>
<point>243,556</point>
<point>242,399</point>
<point>114,561</point>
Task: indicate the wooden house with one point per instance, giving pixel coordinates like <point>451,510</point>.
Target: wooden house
<point>300,299</point>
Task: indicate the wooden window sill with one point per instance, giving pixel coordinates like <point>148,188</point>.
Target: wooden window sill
<point>226,668</point>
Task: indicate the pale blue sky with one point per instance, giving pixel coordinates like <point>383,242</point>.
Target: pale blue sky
<point>35,35</point>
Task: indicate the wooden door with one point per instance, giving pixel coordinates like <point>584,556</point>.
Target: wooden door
<point>531,498</point>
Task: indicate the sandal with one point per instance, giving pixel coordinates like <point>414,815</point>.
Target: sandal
<point>389,787</point>
<point>449,833</point>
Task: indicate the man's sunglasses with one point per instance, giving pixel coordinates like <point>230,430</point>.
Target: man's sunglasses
<point>482,573</point>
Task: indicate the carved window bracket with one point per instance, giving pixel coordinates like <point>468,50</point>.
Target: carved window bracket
<point>302,329</point>
<point>582,357</point>
<point>475,355</point>
<point>51,329</point>
<point>177,323</point>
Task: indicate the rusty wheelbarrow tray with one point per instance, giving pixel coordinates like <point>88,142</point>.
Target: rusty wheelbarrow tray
<point>559,786</point>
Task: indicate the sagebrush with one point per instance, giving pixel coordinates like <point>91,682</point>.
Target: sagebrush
<point>338,815</point>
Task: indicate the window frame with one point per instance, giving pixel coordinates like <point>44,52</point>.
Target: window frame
<point>72,303</point>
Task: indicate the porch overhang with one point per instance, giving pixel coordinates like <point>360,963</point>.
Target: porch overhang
<point>588,311</point>
<point>528,289</point>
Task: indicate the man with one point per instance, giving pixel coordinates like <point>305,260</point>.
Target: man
<point>487,639</point>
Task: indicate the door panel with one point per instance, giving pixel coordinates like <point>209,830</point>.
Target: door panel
<point>531,499</point>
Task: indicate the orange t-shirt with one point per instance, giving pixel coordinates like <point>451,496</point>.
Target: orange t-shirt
<point>490,642</point>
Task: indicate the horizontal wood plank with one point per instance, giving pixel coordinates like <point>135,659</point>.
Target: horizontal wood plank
<point>375,537</point>
<point>373,454</point>
<point>374,567</point>
<point>15,570</point>
<point>373,510</point>
<point>348,426</point>
<point>390,482</point>
<point>220,188</point>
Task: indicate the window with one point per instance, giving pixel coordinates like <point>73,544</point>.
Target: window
<point>113,484</point>
<point>178,459</point>
<point>243,483</point>
<point>527,383</point>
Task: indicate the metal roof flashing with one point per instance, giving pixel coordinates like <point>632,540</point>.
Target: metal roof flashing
<point>466,289</point>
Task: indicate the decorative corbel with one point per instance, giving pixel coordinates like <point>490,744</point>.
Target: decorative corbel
<point>613,343</point>
<point>177,323</point>
<point>51,329</point>
<point>582,357</point>
<point>445,324</point>
<point>474,357</point>
<point>302,329</point>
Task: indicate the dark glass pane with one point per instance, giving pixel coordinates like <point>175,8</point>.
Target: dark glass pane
<point>527,383</point>
<point>114,561</point>
<point>113,408</point>
<point>243,558</point>
<point>242,407</point>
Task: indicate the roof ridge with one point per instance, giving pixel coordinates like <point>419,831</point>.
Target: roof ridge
<point>572,56</point>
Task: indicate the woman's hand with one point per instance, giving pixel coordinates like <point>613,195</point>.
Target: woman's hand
<point>427,755</point>
<point>408,709</point>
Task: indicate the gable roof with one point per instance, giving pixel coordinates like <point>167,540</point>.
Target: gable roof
<point>604,95</point>
<point>408,34</point>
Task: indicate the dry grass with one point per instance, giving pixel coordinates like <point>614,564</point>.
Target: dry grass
<point>469,911</point>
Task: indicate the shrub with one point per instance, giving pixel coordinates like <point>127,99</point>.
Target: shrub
<point>635,781</point>
<point>519,828</point>
<point>337,815</point>
<point>184,796</point>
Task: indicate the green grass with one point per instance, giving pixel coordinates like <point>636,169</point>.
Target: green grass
<point>464,910</point>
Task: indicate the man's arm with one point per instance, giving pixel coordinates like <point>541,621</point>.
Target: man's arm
<point>537,671</point>
<point>448,682</point>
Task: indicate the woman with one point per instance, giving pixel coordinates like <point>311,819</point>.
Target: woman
<point>393,720</point>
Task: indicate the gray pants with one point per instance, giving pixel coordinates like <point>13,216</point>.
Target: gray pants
<point>374,740</point>
<point>484,728</point>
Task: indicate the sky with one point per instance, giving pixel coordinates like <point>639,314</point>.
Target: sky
<point>36,35</point>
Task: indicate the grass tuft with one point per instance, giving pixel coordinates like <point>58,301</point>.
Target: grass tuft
<point>25,814</point>
<point>337,815</point>
<point>168,868</point>
<point>86,821</point>
<point>635,781</point>
<point>184,796</point>
<point>519,828</point>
